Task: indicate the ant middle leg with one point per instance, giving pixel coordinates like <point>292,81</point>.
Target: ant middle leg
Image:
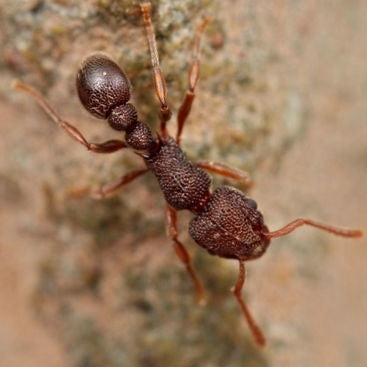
<point>194,72</point>
<point>108,190</point>
<point>181,252</point>
<point>109,146</point>
<point>226,171</point>
<point>158,78</point>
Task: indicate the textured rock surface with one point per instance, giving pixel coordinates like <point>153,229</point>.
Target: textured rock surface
<point>86,283</point>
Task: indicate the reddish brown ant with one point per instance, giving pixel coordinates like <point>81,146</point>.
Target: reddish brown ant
<point>226,222</point>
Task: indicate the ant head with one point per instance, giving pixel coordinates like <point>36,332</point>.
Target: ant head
<point>230,226</point>
<point>102,85</point>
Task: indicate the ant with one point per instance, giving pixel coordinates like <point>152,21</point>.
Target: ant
<point>227,223</point>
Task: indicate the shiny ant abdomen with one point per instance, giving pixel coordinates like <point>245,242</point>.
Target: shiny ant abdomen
<point>226,223</point>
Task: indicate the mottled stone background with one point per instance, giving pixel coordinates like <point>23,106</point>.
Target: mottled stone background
<point>96,283</point>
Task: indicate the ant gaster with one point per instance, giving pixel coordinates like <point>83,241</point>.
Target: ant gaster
<point>227,222</point>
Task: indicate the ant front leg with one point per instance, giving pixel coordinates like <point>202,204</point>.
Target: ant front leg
<point>226,171</point>
<point>109,190</point>
<point>158,78</point>
<point>194,72</point>
<point>237,290</point>
<point>183,255</point>
<point>109,146</point>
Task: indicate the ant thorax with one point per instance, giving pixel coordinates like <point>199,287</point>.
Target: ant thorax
<point>184,185</point>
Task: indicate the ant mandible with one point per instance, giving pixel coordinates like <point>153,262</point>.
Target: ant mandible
<point>226,222</point>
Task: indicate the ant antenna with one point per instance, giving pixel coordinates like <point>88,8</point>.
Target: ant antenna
<point>290,227</point>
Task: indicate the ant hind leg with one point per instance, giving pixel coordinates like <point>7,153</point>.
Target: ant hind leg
<point>194,72</point>
<point>158,78</point>
<point>109,146</point>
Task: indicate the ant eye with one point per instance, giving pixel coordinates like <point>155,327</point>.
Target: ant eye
<point>251,203</point>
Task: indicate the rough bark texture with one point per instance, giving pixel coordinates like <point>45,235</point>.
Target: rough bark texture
<point>95,283</point>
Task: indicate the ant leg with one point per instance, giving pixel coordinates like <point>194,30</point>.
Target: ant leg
<point>183,255</point>
<point>237,290</point>
<point>158,78</point>
<point>109,190</point>
<point>290,227</point>
<point>194,71</point>
<point>226,171</point>
<point>109,146</point>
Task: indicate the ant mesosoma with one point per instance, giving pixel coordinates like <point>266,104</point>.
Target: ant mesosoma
<point>226,222</point>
